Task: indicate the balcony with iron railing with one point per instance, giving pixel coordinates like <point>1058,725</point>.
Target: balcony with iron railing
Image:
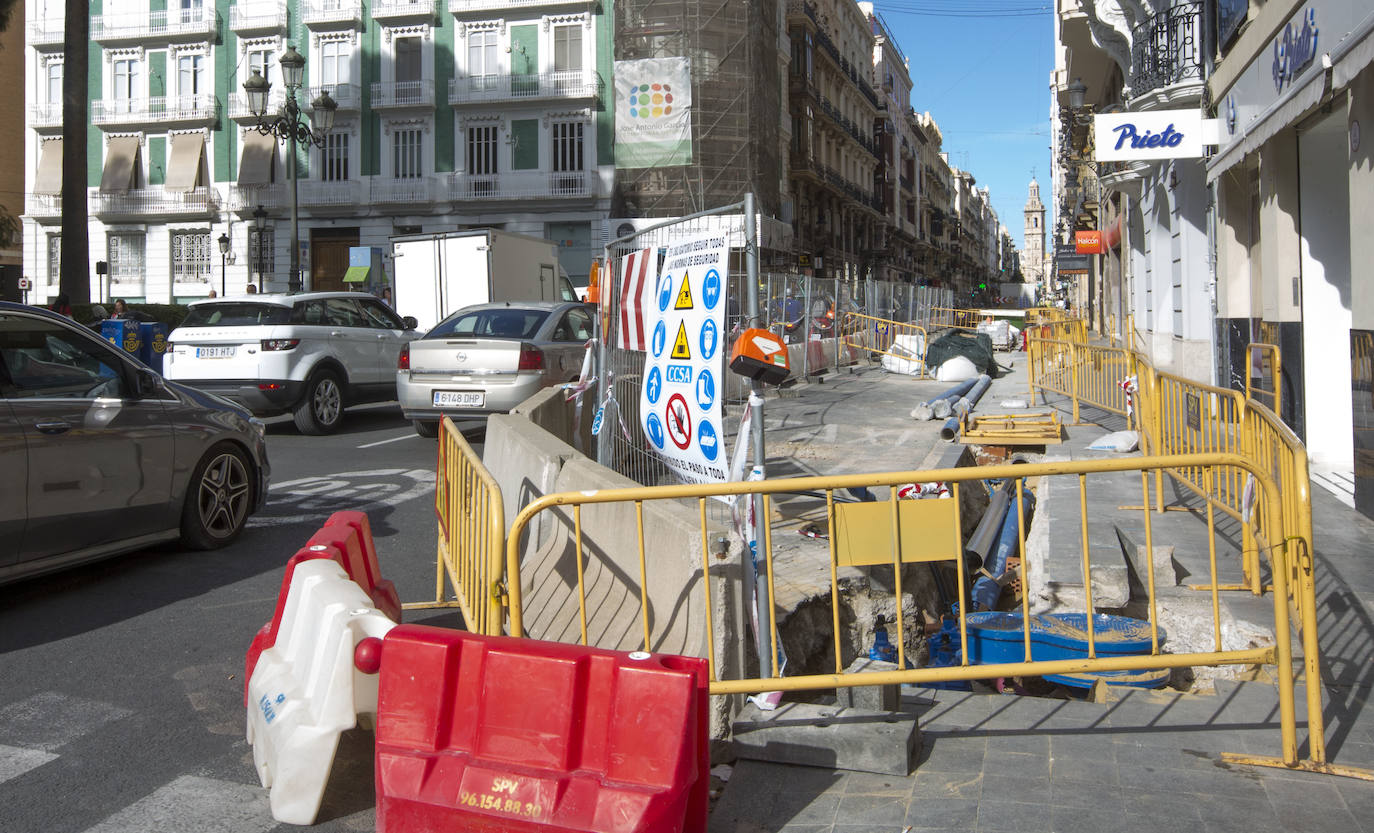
<point>332,13</point>
<point>258,16</point>
<point>415,192</point>
<point>244,199</point>
<point>154,201</point>
<point>40,33</point>
<point>43,207</point>
<point>548,86</point>
<point>45,116</point>
<point>199,23</point>
<point>399,94</point>
<point>399,9</point>
<point>803,8</point>
<point>1167,49</point>
<point>324,194</point>
<point>348,97</point>
<point>552,185</point>
<point>199,109</point>
<point>461,6</point>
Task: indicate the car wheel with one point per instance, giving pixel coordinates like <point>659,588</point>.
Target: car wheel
<point>426,428</point>
<point>321,409</point>
<point>218,497</point>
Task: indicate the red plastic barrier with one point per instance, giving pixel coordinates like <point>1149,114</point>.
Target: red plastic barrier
<point>347,538</point>
<point>484,733</point>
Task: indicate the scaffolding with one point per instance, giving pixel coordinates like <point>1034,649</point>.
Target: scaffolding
<point>732,48</point>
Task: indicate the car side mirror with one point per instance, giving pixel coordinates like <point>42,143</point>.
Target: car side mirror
<point>146,383</point>
<point>410,322</point>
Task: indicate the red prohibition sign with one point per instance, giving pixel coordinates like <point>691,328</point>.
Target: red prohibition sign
<point>679,421</point>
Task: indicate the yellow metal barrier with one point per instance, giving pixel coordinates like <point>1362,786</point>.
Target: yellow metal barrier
<point>880,336</point>
<point>909,541</point>
<point>472,526</point>
<point>1264,362</point>
<point>948,317</point>
<point>1086,373</point>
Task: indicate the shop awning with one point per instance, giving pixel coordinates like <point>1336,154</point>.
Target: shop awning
<point>258,157</point>
<point>355,274</point>
<point>1301,97</point>
<point>120,156</point>
<point>1351,56</point>
<point>49,178</point>
<point>184,165</point>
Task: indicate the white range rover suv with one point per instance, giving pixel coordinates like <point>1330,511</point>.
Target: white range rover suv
<point>308,354</point>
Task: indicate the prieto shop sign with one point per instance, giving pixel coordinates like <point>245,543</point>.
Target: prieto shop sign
<point>1162,134</point>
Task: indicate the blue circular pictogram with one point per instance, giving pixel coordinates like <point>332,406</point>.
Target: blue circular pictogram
<point>653,386</point>
<point>710,338</point>
<point>710,289</point>
<point>706,390</point>
<point>660,338</point>
<point>653,426</point>
<point>708,441</point>
<point>665,293</point>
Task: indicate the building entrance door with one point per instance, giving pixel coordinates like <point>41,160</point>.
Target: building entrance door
<point>329,257</point>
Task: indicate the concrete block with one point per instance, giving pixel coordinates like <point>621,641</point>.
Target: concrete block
<point>878,698</point>
<point>829,736</point>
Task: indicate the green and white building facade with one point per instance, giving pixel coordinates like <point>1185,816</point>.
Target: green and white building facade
<point>452,114</point>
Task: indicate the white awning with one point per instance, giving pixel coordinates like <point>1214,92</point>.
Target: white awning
<point>49,178</point>
<point>120,156</point>
<point>1282,113</point>
<point>258,158</point>
<point>184,164</point>
<point>1350,58</point>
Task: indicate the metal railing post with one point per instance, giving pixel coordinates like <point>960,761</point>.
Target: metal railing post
<point>754,579</point>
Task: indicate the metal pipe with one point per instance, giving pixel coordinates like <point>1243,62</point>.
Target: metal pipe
<point>969,402</point>
<point>926,410</point>
<point>950,429</point>
<point>988,587</point>
<point>984,537</point>
<point>763,598</point>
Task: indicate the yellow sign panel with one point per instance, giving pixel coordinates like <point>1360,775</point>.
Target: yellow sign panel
<point>684,295</point>
<point>681,350</point>
<point>863,533</point>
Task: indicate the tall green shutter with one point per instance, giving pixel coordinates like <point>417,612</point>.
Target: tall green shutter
<point>525,153</point>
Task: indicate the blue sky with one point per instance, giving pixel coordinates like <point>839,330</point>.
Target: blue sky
<point>982,69</point>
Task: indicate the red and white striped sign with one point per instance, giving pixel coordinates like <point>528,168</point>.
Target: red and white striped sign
<point>636,276</point>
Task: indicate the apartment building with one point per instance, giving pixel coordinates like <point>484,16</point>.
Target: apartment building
<point>450,115</point>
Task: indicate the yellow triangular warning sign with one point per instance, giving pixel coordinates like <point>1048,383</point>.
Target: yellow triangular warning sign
<point>680,348</point>
<point>684,295</point>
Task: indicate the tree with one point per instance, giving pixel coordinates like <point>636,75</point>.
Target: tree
<point>6,13</point>
<point>75,279</point>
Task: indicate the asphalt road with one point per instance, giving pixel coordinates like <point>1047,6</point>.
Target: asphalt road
<point>121,683</point>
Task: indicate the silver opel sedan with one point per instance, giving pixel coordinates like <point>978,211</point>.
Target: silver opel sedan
<point>488,358</point>
<point>100,455</point>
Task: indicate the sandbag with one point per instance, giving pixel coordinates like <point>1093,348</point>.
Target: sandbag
<point>976,347</point>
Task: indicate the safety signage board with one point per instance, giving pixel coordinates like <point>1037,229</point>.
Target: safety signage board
<point>680,402</point>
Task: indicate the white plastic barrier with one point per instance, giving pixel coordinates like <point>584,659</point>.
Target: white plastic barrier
<point>306,690</point>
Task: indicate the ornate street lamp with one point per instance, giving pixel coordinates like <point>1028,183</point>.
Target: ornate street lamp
<point>289,126</point>
<point>223,257</point>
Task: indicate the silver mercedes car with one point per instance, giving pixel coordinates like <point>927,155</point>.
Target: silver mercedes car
<point>100,455</point>
<point>488,358</point>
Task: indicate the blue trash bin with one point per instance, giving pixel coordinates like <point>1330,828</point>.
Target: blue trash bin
<point>154,343</point>
<point>122,333</point>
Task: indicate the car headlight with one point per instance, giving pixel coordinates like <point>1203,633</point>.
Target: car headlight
<point>258,426</point>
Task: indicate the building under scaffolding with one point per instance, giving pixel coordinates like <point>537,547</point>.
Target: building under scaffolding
<point>732,48</point>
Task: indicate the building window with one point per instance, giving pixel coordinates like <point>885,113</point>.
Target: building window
<point>192,11</point>
<point>126,84</point>
<point>336,157</point>
<point>259,60</point>
<point>190,257</point>
<point>261,251</point>
<point>54,259</point>
<point>125,256</point>
<point>567,146</point>
<point>190,75</point>
<point>406,153</point>
<point>482,150</point>
<point>483,59</point>
<point>407,60</point>
<point>335,56</point>
<point>567,48</point>
<point>55,83</point>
